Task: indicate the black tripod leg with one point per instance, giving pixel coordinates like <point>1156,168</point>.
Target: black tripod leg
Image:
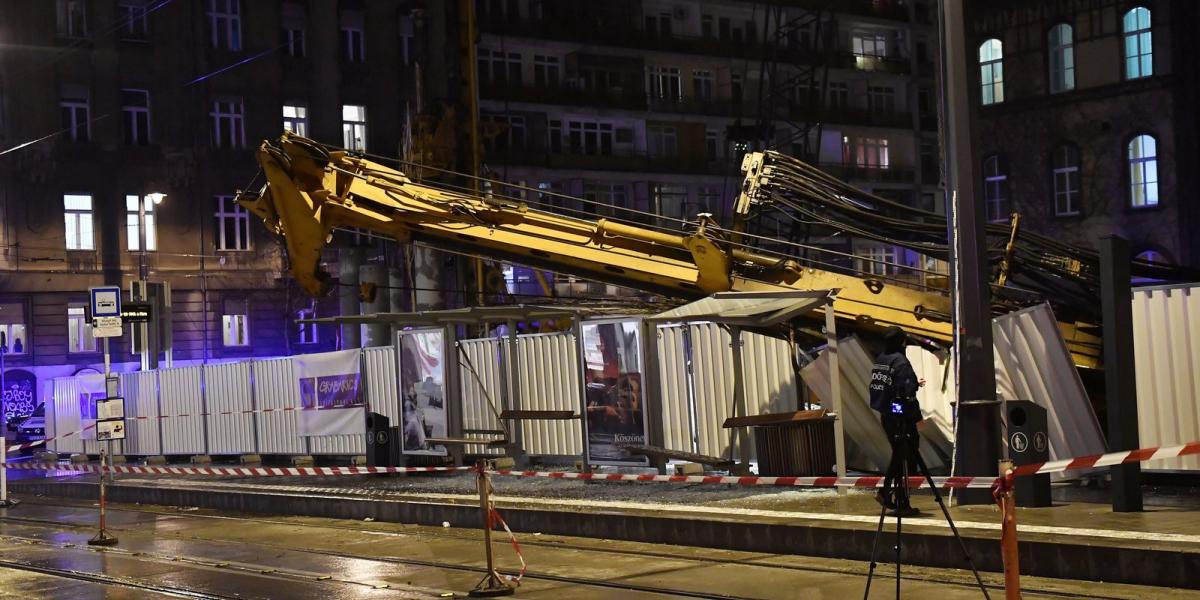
<point>874,546</point>
<point>937,495</point>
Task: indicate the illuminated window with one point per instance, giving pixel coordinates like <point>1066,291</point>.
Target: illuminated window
<point>1143,171</point>
<point>1139,47</point>
<point>235,323</point>
<point>1061,47</point>
<point>991,71</point>
<point>875,259</point>
<point>131,225</point>
<point>354,127</point>
<point>13,336</point>
<point>295,119</point>
<point>79,330</point>
<point>77,211</point>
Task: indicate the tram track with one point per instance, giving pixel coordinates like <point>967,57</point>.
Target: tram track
<point>964,582</point>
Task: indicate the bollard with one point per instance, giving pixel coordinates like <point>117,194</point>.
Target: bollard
<point>102,537</point>
<point>493,584</point>
<point>1006,498</point>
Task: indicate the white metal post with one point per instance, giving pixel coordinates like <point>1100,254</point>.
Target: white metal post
<point>835,388</point>
<point>4,501</point>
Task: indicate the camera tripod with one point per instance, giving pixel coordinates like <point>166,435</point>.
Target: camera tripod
<point>902,486</point>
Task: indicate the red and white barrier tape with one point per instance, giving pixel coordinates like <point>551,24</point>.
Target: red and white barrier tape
<point>873,481</point>
<point>234,471</point>
<point>494,517</point>
<point>222,413</point>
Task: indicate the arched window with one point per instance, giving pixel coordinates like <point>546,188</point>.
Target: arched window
<point>1139,51</point>
<point>1065,162</point>
<point>1152,256</point>
<point>1143,171</point>
<point>991,70</point>
<point>995,189</point>
<point>1061,48</point>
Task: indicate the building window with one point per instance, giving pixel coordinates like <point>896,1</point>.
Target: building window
<point>839,95</point>
<point>871,46</point>
<point>354,127</point>
<point>1061,44</point>
<point>307,332</point>
<point>295,119</point>
<point>135,105</point>
<point>659,24</point>
<point>71,18</point>
<point>75,118</point>
<point>1066,180</point>
<point>875,259</point>
<point>605,199</point>
<point>991,70</point>
<point>79,330</point>
<point>509,132</point>
<point>12,327</point>
<point>661,142</point>
<point>590,137</point>
<point>735,88</point>
<point>228,124</point>
<point>406,40</point>
<point>235,323</point>
<point>499,68</point>
<point>712,144</point>
<point>133,23</point>
<point>77,211</point>
<point>669,201</point>
<point>881,99</point>
<point>545,70</point>
<point>554,136</point>
<point>706,27</point>
<point>132,226</point>
<point>233,225</point>
<point>353,44</point>
<point>702,85</point>
<point>665,83</point>
<point>995,190</point>
<point>865,152</point>
<point>294,22</point>
<point>225,23</point>
<point>1139,50</point>
<point>1143,171</point>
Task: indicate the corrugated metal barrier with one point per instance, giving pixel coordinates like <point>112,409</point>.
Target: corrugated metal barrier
<point>275,387</point>
<point>143,436</point>
<point>228,388</point>
<point>483,389</point>
<point>549,378</point>
<point>1166,342</point>
<point>180,392</point>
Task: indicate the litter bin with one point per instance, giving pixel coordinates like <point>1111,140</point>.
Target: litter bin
<point>796,448</point>
<point>1027,444</point>
<point>379,441</point>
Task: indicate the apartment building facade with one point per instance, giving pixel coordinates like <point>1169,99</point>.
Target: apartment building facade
<point>645,104</point>
<point>103,103</point>
<point>1086,120</point>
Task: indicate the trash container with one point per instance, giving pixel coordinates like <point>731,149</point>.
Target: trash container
<point>796,448</point>
<point>1027,444</point>
<point>379,440</point>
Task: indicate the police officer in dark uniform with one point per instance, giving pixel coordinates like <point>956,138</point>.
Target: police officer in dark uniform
<point>893,390</point>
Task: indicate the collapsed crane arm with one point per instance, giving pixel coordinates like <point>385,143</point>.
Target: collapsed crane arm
<point>312,190</point>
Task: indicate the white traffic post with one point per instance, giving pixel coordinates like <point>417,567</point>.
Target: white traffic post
<point>106,323</point>
<point>5,501</point>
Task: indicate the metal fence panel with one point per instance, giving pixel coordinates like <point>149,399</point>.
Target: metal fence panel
<point>181,400</point>
<point>675,408</point>
<point>337,445</point>
<point>1166,342</point>
<point>483,394</point>
<point>275,387</point>
<point>143,436</point>
<point>228,394</point>
<point>549,378</point>
<point>64,416</point>
<point>379,382</point>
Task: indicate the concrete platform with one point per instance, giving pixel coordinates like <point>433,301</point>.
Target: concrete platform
<point>1070,540</point>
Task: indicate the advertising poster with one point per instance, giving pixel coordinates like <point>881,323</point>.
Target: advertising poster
<point>422,390</point>
<point>329,394</point>
<point>614,404</point>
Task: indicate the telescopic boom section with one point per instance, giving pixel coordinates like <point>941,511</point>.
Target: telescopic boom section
<point>312,190</point>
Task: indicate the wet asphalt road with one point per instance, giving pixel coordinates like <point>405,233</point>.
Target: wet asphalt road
<point>186,553</point>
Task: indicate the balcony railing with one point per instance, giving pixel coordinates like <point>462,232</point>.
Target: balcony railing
<point>856,116</point>
<point>565,95</point>
<point>618,161</point>
<point>881,64</point>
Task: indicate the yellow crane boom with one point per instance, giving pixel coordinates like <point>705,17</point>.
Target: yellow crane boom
<point>312,190</point>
